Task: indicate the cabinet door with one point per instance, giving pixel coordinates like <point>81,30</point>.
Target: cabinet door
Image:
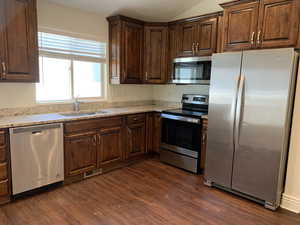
<point>80,153</point>
<point>206,43</point>
<point>156,44</point>
<point>187,42</point>
<point>157,132</point>
<point>173,48</point>
<point>278,23</point>
<point>132,53</point>
<point>135,140</point>
<point>18,41</point>
<point>110,147</point>
<point>240,23</point>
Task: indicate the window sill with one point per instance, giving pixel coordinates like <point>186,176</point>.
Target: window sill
<point>81,100</point>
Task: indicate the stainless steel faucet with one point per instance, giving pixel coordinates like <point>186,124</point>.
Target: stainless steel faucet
<point>76,105</point>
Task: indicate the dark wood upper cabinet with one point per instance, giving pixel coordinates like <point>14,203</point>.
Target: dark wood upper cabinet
<point>197,36</point>
<point>110,147</point>
<point>206,39</point>
<point>155,53</point>
<point>278,23</point>
<point>126,40</point>
<point>80,153</point>
<point>173,48</point>
<point>240,25</point>
<point>187,39</point>
<point>18,41</point>
<point>260,24</point>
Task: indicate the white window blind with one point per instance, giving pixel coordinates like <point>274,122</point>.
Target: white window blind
<point>70,47</point>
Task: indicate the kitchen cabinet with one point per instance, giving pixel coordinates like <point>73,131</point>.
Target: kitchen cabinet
<point>278,23</point>
<point>156,50</point>
<point>260,24</point>
<point>92,144</point>
<point>18,41</point>
<point>203,144</point>
<point>5,176</point>
<point>110,147</point>
<point>153,132</point>
<point>172,48</point>
<point>80,153</point>
<point>198,38</point>
<point>126,40</point>
<point>136,136</point>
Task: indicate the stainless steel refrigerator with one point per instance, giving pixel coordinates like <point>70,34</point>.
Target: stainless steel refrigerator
<point>250,110</point>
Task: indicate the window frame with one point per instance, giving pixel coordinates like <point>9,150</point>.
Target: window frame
<point>72,58</point>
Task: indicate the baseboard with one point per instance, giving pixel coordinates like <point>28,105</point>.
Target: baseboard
<point>290,203</point>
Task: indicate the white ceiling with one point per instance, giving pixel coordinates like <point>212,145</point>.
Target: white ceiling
<point>151,10</point>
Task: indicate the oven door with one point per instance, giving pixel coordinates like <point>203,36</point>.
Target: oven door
<point>195,70</point>
<point>181,135</point>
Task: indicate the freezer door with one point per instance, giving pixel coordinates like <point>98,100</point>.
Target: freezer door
<point>222,104</point>
<point>262,122</point>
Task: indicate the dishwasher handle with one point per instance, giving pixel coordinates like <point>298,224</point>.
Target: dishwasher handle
<point>35,129</point>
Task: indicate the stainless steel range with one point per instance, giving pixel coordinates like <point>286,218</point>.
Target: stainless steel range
<point>181,133</point>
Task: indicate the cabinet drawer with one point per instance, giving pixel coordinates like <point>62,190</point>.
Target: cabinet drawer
<point>2,138</point>
<point>92,124</point>
<point>3,171</point>
<point>4,188</point>
<point>2,154</point>
<point>137,118</point>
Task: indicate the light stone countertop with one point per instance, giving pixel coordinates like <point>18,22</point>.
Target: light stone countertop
<point>31,120</point>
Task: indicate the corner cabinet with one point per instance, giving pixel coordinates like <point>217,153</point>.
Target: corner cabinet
<point>155,57</point>
<point>18,41</point>
<point>126,40</point>
<point>259,24</point>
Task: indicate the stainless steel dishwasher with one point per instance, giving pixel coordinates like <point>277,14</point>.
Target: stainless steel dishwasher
<point>36,156</point>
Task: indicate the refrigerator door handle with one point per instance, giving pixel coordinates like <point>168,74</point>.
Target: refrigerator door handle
<point>239,106</point>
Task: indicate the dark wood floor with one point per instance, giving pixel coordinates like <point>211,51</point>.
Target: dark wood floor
<point>148,193</point>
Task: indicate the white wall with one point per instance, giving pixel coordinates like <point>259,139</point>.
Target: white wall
<point>79,23</point>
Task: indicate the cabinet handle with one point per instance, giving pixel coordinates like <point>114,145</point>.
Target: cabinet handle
<point>197,47</point>
<point>252,38</point>
<point>193,48</point>
<point>258,37</point>
<point>146,75</point>
<point>3,70</point>
<point>203,138</point>
<point>95,139</point>
<point>99,139</point>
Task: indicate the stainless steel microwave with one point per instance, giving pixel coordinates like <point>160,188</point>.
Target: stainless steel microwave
<point>193,70</point>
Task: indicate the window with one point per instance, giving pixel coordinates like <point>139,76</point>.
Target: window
<point>70,68</point>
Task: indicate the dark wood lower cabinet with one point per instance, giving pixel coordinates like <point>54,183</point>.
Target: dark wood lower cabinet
<point>80,153</point>
<point>5,175</point>
<point>136,140</point>
<point>110,147</point>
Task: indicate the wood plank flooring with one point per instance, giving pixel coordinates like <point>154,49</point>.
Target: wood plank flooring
<point>147,193</point>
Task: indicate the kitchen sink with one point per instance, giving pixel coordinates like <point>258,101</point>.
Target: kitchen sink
<point>72,114</point>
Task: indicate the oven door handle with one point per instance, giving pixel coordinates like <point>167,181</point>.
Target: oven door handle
<point>181,118</point>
